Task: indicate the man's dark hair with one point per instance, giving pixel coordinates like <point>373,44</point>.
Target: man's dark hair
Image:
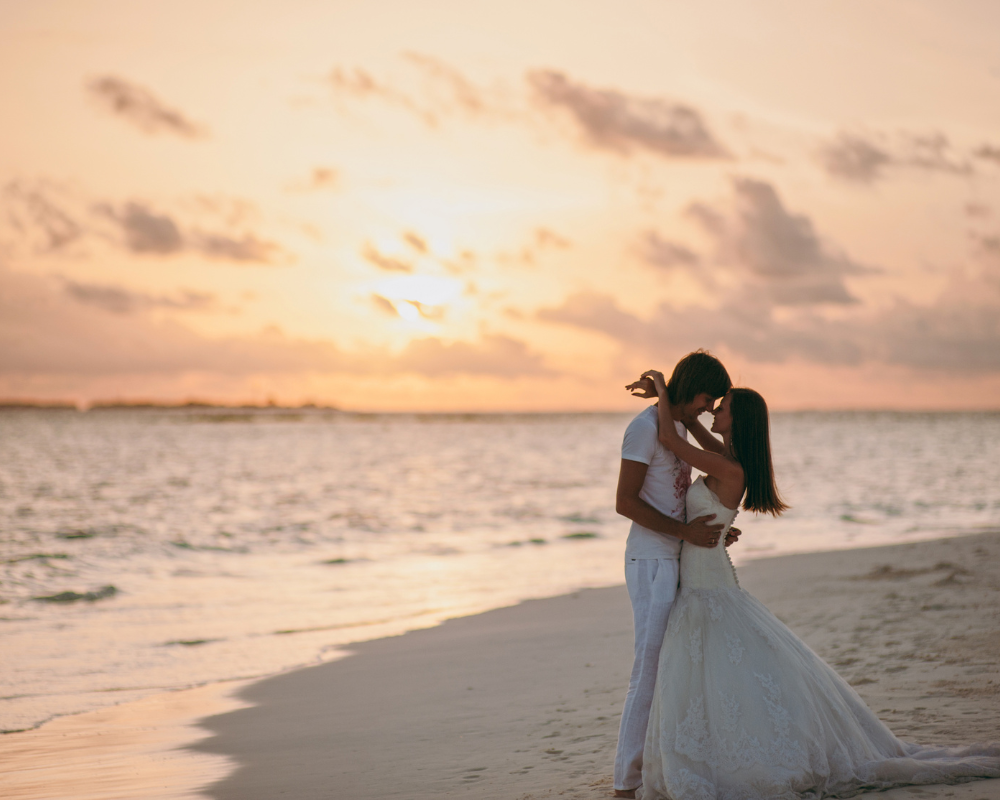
<point>697,372</point>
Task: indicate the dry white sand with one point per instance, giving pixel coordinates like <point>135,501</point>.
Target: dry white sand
<point>523,703</point>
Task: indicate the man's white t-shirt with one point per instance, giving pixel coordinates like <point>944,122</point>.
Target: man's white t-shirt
<point>665,487</point>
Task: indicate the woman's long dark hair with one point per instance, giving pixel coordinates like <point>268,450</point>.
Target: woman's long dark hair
<point>751,442</point>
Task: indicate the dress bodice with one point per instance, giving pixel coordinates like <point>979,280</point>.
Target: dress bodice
<point>704,567</point>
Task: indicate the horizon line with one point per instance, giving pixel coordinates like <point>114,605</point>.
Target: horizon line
<point>273,405</point>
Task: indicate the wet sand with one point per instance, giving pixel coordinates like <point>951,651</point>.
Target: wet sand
<point>133,751</point>
<point>523,702</point>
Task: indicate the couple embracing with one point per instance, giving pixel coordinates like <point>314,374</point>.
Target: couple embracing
<point>724,701</point>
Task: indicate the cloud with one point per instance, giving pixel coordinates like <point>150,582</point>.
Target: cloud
<point>440,90</point>
<point>854,158</point>
<point>139,107</point>
<point>659,252</point>
<point>612,120</point>
<point>67,330</point>
<point>409,310</point>
<point>42,216</point>
<point>989,245</point>
<point>542,240</point>
<point>598,312</point>
<point>545,237</point>
<point>958,332</point>
<point>144,230</point>
<point>748,329</point>
<point>951,334</point>
<point>415,241</point>
<point>383,262</point>
<point>47,330</point>
<point>384,304</point>
<point>359,83</point>
<point>608,119</point>
<point>865,158</point>
<point>118,300</point>
<point>323,178</point>
<point>246,247</point>
<point>465,261</point>
<point>774,251</point>
<point>459,91</point>
<point>416,250</point>
<point>318,179</point>
<point>988,152</point>
<point>777,282</point>
<point>435,313</point>
<point>355,81</point>
<point>933,152</point>
<point>36,211</point>
<point>147,232</point>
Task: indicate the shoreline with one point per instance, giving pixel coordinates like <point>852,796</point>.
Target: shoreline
<point>137,749</point>
<point>523,701</point>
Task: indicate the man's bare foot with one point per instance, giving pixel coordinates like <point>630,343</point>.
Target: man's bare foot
<point>625,793</point>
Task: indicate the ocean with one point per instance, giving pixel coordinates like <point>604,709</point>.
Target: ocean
<point>145,550</point>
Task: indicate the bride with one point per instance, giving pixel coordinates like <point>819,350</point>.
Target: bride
<point>743,709</point>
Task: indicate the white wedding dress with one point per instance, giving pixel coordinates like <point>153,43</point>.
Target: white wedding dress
<point>744,710</point>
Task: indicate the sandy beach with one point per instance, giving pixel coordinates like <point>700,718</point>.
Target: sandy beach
<point>523,702</point>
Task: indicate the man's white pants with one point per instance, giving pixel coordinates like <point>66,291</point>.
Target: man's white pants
<point>652,587</point>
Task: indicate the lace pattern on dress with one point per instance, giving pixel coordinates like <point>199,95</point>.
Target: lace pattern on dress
<point>730,713</point>
<point>689,786</point>
<point>692,734</point>
<point>735,648</point>
<point>694,646</point>
<point>769,638</point>
<point>785,751</point>
<point>738,751</point>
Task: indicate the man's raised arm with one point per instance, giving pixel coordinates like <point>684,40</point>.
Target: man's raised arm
<point>628,503</point>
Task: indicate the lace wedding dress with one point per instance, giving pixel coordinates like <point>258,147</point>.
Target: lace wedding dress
<point>744,710</point>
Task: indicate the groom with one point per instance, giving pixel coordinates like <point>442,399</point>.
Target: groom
<point>652,486</point>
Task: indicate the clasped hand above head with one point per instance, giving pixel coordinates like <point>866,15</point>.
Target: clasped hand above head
<point>643,388</point>
<point>651,383</point>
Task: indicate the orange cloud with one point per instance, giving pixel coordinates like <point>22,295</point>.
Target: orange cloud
<point>777,252</point>
<point>36,213</point>
<point>48,218</point>
<point>864,158</point>
<point>119,300</point>
<point>958,333</point>
<point>383,262</point>
<point>96,330</point>
<point>610,119</point>
<point>141,108</point>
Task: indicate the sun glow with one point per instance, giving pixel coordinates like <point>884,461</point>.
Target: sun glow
<point>407,311</point>
<point>427,290</point>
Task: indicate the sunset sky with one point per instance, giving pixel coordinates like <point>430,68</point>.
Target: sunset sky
<point>463,205</point>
